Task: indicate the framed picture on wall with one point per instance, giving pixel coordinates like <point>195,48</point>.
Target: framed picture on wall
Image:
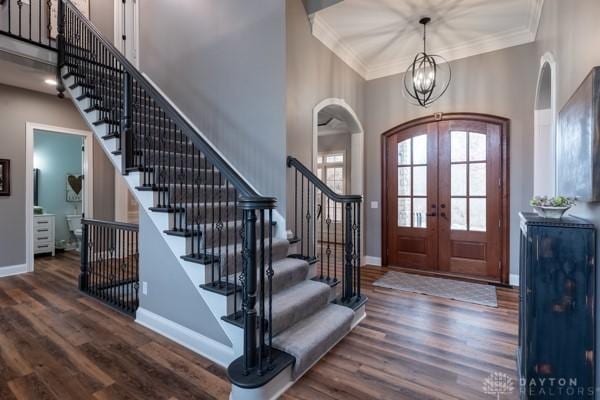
<point>74,187</point>
<point>82,5</point>
<point>4,177</point>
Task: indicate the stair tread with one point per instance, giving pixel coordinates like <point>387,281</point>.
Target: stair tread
<point>311,338</point>
<point>298,302</point>
<point>287,272</point>
<point>280,249</point>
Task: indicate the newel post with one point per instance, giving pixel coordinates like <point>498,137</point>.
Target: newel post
<point>60,41</point>
<point>84,272</point>
<point>126,137</point>
<point>249,288</point>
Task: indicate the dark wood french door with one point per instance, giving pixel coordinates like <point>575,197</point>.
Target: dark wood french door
<point>445,196</point>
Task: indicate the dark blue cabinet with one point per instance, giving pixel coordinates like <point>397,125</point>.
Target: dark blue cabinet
<point>556,354</point>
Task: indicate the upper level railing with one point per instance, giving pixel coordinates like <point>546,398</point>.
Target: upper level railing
<point>227,225</point>
<point>327,228</point>
<point>32,21</point>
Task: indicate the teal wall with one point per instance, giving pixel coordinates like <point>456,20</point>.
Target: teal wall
<point>57,155</point>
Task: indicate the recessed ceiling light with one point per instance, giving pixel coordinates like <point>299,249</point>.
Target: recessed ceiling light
<point>51,82</point>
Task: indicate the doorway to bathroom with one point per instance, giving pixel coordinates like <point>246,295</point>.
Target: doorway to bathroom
<point>59,189</point>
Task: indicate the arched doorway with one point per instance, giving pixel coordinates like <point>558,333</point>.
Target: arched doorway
<point>339,135</point>
<point>544,160</point>
<point>445,196</point>
<point>338,150</point>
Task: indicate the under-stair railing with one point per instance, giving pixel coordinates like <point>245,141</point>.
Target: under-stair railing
<point>30,21</point>
<point>110,263</point>
<point>226,224</point>
<point>327,229</point>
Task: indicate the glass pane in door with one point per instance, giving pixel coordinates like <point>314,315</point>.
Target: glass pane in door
<point>412,182</point>
<point>468,180</point>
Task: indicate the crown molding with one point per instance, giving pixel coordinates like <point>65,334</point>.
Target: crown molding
<point>328,36</point>
<point>322,31</point>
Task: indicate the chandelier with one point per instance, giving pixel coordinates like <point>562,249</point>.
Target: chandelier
<point>428,77</point>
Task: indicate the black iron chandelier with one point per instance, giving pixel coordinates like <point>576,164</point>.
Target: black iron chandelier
<point>428,77</point>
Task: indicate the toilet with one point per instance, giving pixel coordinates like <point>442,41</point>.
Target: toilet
<point>74,224</point>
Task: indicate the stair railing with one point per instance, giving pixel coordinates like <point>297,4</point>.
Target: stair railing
<point>327,229</point>
<point>29,21</point>
<point>226,224</point>
<point>110,263</point>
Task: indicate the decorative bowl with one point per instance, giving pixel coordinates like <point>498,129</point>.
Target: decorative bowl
<point>550,212</point>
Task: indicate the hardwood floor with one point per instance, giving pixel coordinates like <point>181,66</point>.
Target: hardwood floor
<point>56,343</point>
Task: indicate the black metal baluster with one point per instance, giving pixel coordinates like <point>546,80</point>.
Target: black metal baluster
<point>329,237</point>
<point>308,218</point>
<point>302,215</point>
<point>270,274</point>
<point>221,227</point>
<point>29,26</point>
<point>228,222</point>
<point>296,204</point>
<point>261,327</point>
<point>348,253</point>
<point>212,219</point>
<point>314,224</point>
<point>321,238</point>
<point>40,21</point>
<point>335,242</point>
<point>235,257</point>
<point>9,16</point>
<point>20,6</point>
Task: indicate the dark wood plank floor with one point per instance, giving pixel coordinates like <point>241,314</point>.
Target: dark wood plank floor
<point>56,343</point>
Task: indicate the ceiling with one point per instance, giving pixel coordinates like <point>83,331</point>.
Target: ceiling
<point>378,38</point>
<point>26,77</point>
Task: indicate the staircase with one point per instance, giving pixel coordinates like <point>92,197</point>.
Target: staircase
<point>280,312</point>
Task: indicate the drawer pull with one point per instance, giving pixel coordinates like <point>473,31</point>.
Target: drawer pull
<point>42,230</point>
<point>43,247</point>
<point>43,238</point>
<point>42,222</point>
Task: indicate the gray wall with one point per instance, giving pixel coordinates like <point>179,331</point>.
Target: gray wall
<point>500,83</point>
<point>570,30</point>
<point>223,64</point>
<point>18,106</point>
<point>314,74</point>
<point>102,15</point>
<point>171,294</point>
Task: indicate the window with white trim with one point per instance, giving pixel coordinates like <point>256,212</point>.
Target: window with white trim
<point>331,169</point>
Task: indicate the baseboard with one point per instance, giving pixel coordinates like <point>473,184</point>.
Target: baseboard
<point>514,279</point>
<point>206,347</point>
<point>13,270</point>
<point>370,260</point>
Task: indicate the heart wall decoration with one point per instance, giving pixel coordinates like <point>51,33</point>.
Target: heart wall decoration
<point>74,187</point>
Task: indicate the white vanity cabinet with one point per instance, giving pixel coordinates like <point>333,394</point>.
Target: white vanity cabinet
<point>43,234</point>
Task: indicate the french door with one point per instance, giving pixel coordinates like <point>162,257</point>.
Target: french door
<point>444,196</point>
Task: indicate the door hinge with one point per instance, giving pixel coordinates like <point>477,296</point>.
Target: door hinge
<point>499,265</point>
<point>124,37</point>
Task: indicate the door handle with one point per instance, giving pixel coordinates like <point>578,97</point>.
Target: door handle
<point>431,214</point>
